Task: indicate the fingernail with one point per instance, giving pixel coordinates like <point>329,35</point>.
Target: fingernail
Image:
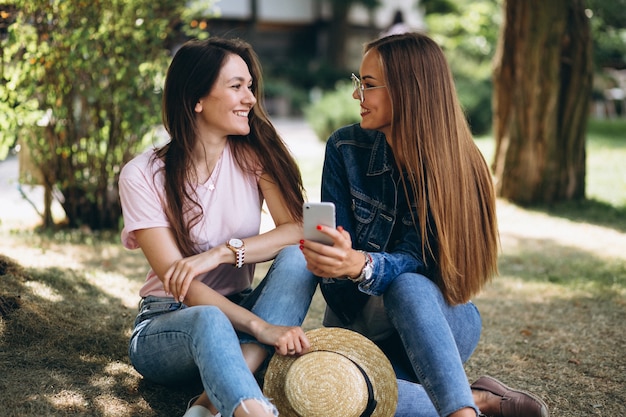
<point>319,227</point>
<point>302,242</point>
<point>301,247</point>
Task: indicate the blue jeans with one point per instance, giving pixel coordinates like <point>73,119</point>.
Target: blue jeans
<point>173,344</point>
<point>435,341</point>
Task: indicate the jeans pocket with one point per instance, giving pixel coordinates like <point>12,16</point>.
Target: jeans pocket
<point>151,307</point>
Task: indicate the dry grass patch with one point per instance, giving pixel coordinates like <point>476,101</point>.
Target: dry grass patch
<point>554,321</point>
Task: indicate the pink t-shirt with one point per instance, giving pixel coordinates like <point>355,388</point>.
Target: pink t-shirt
<point>232,208</point>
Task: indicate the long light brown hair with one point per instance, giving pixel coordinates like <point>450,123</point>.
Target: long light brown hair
<point>191,75</point>
<point>446,171</point>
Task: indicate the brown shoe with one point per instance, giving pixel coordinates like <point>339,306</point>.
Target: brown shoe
<point>514,403</point>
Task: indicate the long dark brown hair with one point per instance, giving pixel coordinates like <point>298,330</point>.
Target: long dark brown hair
<point>446,171</point>
<point>191,76</point>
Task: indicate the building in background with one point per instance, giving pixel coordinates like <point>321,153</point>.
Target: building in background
<point>306,43</point>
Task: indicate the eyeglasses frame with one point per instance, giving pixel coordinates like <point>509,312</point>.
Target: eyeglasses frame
<point>358,85</point>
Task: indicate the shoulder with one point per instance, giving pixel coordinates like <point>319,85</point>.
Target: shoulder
<point>354,132</point>
<point>353,138</point>
<point>144,163</point>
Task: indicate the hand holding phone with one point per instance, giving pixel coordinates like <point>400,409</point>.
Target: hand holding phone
<point>318,214</point>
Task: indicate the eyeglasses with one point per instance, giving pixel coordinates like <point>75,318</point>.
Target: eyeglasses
<point>358,86</point>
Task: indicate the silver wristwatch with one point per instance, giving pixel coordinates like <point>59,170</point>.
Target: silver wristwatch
<point>368,268</point>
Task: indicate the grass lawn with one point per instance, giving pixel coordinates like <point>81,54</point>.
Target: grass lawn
<point>554,320</point>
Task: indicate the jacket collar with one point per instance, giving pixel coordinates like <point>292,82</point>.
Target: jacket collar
<point>381,159</point>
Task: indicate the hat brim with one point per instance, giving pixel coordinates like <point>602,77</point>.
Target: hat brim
<point>353,346</point>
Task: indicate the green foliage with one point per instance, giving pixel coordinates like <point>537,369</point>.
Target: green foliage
<point>608,25</point>
<point>605,202</point>
<point>334,109</point>
<point>438,6</point>
<point>608,28</point>
<point>468,38</point>
<point>475,96</point>
<point>82,93</point>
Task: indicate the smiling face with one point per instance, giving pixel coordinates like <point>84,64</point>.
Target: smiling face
<point>224,111</point>
<point>376,106</point>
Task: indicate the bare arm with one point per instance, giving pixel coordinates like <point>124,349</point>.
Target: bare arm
<point>178,273</point>
<point>159,247</point>
<point>287,232</point>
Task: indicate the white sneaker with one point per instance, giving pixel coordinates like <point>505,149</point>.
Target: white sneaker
<point>198,410</point>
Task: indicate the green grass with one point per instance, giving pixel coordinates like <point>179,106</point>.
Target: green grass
<point>605,202</point>
<point>606,162</point>
<point>605,206</point>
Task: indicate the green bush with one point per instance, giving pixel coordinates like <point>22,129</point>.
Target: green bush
<point>334,109</point>
<point>475,96</point>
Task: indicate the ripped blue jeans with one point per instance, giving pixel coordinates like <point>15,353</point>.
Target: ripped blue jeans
<point>174,344</point>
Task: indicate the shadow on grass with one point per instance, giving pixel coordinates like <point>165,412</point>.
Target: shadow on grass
<point>568,349</point>
<point>554,323</point>
<point>63,350</point>
<point>550,262</point>
<point>590,211</point>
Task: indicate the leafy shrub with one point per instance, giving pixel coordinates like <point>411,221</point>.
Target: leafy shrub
<point>334,109</point>
<point>475,96</point>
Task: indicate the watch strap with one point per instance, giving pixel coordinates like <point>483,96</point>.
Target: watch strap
<point>239,253</point>
<point>366,267</point>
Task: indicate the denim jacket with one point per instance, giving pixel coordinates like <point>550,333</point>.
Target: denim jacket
<point>360,176</point>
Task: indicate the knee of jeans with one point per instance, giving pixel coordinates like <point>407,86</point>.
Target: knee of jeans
<point>414,284</point>
<point>291,264</point>
<point>267,406</point>
<point>204,316</point>
<point>291,254</point>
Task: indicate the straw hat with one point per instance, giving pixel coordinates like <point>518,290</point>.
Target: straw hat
<point>331,379</point>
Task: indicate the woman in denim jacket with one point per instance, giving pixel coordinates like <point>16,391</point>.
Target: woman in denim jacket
<point>193,206</point>
<point>417,235</point>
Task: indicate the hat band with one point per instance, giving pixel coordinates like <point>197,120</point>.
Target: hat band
<point>371,401</point>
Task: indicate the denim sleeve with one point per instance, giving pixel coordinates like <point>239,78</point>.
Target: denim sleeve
<point>406,257</point>
<point>406,254</point>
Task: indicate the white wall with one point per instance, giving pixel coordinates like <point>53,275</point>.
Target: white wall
<point>306,11</point>
<point>384,14</point>
<point>233,9</point>
<point>293,11</point>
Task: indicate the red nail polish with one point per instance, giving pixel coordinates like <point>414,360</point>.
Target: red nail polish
<point>301,247</point>
<point>302,242</point>
<point>319,227</point>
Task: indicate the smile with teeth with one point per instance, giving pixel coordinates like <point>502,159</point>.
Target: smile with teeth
<point>241,113</point>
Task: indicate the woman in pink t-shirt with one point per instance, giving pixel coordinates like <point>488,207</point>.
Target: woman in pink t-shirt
<point>193,206</point>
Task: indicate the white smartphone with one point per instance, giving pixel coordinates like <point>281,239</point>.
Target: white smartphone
<point>315,214</point>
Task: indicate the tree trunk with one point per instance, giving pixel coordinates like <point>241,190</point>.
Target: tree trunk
<point>542,87</point>
<point>338,33</point>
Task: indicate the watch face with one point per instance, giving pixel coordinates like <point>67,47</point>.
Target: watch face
<point>235,243</point>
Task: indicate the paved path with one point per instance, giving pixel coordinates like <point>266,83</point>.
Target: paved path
<point>17,211</point>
